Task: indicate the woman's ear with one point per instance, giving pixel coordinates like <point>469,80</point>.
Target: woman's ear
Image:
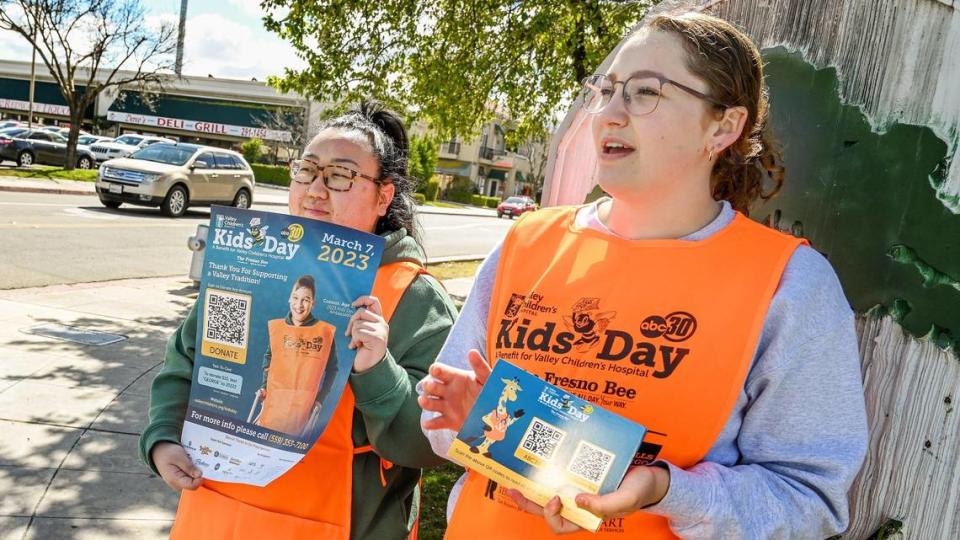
<point>385,197</point>
<point>729,127</point>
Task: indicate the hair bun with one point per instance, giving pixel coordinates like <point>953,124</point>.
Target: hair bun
<point>388,121</point>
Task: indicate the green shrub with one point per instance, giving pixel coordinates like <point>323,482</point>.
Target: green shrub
<point>492,202</point>
<point>252,150</point>
<point>420,198</point>
<point>277,175</point>
<point>432,188</point>
<point>477,200</point>
<point>460,190</point>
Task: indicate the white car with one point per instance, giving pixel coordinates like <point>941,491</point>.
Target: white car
<point>123,146</point>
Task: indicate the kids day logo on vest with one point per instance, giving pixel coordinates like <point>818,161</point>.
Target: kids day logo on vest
<point>301,344</point>
<point>652,350</point>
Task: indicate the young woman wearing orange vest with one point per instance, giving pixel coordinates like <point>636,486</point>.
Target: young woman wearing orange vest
<point>731,342</point>
<point>360,480</point>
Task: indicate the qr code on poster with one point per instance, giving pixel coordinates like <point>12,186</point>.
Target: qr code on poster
<point>590,462</point>
<point>542,438</point>
<point>226,317</point>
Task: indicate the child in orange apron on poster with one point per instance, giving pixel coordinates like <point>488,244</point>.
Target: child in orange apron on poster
<point>301,357</point>
<point>360,480</point>
<point>731,342</point>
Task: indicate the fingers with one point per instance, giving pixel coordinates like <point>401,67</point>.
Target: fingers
<point>480,366</point>
<point>440,422</point>
<point>524,503</point>
<point>182,480</point>
<point>551,512</point>
<point>447,374</point>
<point>371,303</point>
<point>615,504</point>
<point>363,332</point>
<point>434,388</point>
<point>177,470</point>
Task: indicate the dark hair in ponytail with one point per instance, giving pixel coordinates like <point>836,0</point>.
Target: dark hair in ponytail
<point>730,63</point>
<point>385,131</point>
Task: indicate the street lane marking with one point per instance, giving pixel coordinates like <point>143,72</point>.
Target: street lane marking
<point>33,204</point>
<point>90,214</point>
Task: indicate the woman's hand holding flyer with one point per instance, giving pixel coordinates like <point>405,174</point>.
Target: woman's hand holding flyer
<point>175,466</point>
<point>368,332</point>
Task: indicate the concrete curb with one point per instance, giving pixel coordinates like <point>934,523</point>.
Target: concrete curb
<point>455,258</point>
<point>55,191</point>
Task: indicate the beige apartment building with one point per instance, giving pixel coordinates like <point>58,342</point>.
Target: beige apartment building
<point>494,169</point>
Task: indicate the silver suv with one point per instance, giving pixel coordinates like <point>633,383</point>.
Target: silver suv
<point>175,176</point>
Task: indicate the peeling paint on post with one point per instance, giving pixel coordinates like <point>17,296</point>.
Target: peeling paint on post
<point>863,200</point>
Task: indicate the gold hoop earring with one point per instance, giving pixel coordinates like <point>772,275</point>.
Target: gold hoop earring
<point>710,154</point>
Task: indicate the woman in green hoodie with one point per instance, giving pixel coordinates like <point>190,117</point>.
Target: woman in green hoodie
<point>360,481</point>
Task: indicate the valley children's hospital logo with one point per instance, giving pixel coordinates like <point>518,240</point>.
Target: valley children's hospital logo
<point>530,330</point>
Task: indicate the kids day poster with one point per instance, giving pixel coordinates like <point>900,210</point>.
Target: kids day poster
<point>271,356</point>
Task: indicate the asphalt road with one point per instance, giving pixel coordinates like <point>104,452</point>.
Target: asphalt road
<point>48,239</point>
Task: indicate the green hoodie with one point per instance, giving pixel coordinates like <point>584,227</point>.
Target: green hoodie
<point>387,415</point>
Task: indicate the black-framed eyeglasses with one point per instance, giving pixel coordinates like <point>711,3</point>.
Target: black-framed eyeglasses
<point>335,177</point>
<point>641,92</point>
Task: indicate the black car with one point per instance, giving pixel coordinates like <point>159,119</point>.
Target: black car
<point>29,147</point>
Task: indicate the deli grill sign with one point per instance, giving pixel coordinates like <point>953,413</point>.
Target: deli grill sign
<point>199,126</point>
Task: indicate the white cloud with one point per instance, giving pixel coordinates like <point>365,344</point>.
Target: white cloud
<point>13,46</point>
<point>248,7</point>
<point>220,47</point>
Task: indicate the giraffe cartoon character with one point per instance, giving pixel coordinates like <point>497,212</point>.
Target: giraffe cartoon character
<point>496,422</point>
<point>588,322</point>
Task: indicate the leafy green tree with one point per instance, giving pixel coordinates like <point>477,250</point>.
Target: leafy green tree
<point>424,152</point>
<point>252,149</point>
<point>454,63</point>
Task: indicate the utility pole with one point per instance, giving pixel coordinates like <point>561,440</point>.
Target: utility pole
<point>33,74</point>
<point>181,34</point>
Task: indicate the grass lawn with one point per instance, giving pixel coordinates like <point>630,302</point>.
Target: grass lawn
<point>433,509</point>
<point>41,172</point>
<point>450,270</point>
<point>444,204</point>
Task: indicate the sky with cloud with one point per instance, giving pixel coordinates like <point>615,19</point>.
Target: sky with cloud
<point>225,38</point>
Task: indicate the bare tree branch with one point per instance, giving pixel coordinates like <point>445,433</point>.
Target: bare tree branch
<point>122,51</point>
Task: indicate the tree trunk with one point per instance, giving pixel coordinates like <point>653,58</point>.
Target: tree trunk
<point>76,117</point>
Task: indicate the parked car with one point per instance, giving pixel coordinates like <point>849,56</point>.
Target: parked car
<point>516,206</point>
<point>12,132</point>
<point>175,176</point>
<point>6,124</point>
<point>36,146</point>
<point>124,145</point>
<point>87,139</point>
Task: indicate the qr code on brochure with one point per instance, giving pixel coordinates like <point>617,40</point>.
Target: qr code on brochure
<point>542,439</point>
<point>226,317</point>
<point>590,462</point>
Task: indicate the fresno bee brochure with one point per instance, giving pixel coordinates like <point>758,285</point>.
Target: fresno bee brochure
<point>527,434</point>
<point>271,356</point>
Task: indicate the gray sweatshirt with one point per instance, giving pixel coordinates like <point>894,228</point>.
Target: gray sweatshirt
<point>797,435</point>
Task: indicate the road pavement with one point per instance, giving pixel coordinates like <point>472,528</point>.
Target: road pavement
<point>52,238</point>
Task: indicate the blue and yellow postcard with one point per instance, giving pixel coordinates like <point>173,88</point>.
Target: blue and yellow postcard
<point>271,356</point>
<point>530,435</point>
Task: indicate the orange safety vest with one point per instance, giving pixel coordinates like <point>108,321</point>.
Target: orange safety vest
<point>662,332</point>
<point>298,358</point>
<point>312,500</point>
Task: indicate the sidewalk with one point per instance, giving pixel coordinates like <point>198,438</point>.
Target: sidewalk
<point>264,194</point>
<point>71,413</point>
